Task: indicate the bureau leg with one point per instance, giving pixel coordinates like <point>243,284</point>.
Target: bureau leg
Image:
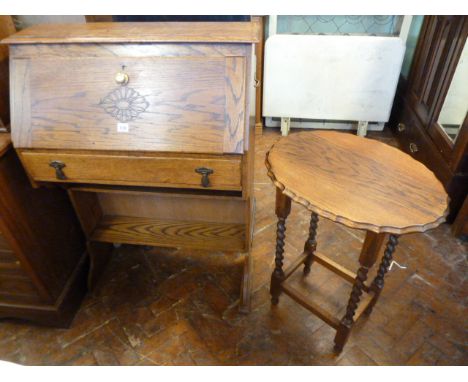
<point>283,208</point>
<point>246,286</point>
<point>99,255</point>
<point>370,250</point>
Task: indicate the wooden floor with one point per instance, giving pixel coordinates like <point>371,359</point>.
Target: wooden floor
<point>168,307</point>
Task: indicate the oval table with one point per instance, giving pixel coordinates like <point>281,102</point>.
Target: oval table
<point>360,183</point>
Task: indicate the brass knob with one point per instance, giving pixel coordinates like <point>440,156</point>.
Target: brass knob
<point>401,127</point>
<point>413,147</point>
<point>121,78</point>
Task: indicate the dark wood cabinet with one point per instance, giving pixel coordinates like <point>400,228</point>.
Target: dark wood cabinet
<point>420,99</point>
<point>43,262</point>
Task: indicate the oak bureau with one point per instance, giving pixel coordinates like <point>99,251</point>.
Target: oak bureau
<point>146,125</point>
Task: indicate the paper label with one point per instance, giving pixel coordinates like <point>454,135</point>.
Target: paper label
<point>122,127</point>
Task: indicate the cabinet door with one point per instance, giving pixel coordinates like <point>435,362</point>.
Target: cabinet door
<point>449,127</point>
<point>436,45</point>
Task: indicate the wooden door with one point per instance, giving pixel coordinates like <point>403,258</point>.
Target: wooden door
<point>436,46</point>
<point>453,148</point>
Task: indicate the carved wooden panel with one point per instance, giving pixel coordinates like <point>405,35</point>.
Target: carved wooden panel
<point>185,103</point>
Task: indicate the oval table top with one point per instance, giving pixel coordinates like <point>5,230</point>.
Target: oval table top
<point>356,181</point>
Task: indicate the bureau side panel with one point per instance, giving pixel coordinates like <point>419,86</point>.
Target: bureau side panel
<point>20,102</point>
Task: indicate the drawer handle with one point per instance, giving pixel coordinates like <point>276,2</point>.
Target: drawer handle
<point>401,127</point>
<point>204,172</point>
<point>58,166</point>
<point>413,147</point>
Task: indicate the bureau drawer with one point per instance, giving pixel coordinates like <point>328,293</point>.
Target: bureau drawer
<point>158,171</point>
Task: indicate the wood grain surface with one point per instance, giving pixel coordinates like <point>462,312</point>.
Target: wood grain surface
<point>229,32</point>
<point>181,103</point>
<point>173,207</point>
<point>358,182</point>
<point>166,233</point>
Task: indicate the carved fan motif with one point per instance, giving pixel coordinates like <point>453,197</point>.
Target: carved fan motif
<point>124,104</point>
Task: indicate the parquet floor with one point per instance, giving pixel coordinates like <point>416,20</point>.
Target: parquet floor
<point>169,307</point>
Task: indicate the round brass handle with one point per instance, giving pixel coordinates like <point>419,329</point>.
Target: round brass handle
<point>413,147</point>
<point>121,78</point>
<point>401,127</point>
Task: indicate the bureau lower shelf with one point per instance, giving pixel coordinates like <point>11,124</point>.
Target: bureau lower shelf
<point>207,220</point>
<point>170,233</point>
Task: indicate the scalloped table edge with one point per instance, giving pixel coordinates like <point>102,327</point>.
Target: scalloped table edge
<point>348,222</point>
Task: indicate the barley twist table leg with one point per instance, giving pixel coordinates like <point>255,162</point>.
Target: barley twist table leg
<point>280,236</point>
<point>355,297</point>
<point>378,283</point>
<point>283,208</point>
<point>311,243</point>
<point>370,250</point>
